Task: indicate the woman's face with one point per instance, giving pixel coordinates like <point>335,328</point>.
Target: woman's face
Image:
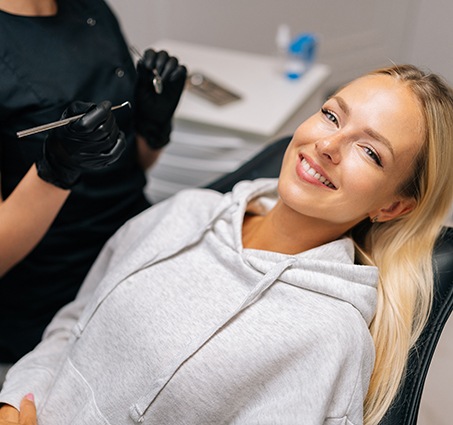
<point>347,161</point>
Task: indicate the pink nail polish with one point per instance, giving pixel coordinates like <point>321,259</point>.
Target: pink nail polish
<point>30,397</point>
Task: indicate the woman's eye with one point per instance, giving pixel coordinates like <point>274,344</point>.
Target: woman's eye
<point>329,115</point>
<point>373,155</point>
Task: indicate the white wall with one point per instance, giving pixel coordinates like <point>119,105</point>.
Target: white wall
<point>431,37</point>
<point>356,35</point>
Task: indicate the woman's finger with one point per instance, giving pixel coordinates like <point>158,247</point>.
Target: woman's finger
<point>27,415</point>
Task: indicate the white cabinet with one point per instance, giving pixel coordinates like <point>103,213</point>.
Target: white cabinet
<point>208,140</point>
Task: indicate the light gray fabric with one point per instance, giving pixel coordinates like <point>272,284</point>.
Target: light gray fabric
<point>178,324</point>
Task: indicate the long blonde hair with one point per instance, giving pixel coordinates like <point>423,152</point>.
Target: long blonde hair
<point>402,248</point>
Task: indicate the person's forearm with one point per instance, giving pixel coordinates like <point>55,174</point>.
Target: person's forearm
<point>146,156</point>
<point>25,217</point>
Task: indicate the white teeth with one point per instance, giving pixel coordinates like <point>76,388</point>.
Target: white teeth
<point>315,174</point>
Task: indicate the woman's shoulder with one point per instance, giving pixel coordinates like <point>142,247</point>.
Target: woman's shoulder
<point>197,198</point>
<point>333,323</point>
<point>185,206</point>
<point>349,335</point>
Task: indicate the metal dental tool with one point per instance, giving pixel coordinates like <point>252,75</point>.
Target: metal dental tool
<point>60,123</point>
<point>205,87</point>
<point>157,80</point>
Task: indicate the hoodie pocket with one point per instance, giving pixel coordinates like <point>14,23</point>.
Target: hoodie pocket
<point>81,408</point>
<point>338,421</point>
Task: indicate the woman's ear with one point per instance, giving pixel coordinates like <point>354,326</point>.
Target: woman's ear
<point>398,208</point>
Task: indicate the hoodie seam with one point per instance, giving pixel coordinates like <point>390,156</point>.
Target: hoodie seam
<point>354,391</point>
<point>348,421</point>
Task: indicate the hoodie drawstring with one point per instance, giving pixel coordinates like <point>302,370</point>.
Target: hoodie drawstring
<point>161,256</point>
<point>138,410</point>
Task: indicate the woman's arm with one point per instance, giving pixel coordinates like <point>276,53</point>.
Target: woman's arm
<point>25,217</point>
<point>35,372</point>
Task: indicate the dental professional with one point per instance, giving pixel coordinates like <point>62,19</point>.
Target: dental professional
<point>286,301</point>
<point>65,192</point>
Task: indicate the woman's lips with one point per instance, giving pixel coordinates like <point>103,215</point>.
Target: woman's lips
<point>308,171</point>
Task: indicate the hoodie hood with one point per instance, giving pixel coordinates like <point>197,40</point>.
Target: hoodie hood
<point>328,269</point>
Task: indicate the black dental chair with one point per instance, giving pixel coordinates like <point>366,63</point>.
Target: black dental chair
<point>404,410</point>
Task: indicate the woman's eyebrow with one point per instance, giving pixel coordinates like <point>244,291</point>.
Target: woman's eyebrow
<point>380,138</point>
<point>372,133</point>
<point>342,104</point>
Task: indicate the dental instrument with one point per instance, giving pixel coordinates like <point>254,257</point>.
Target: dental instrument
<point>157,79</point>
<point>60,123</point>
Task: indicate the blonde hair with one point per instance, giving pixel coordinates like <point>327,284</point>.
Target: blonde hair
<point>402,248</point>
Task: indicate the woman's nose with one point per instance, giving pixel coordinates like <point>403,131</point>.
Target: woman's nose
<point>329,148</point>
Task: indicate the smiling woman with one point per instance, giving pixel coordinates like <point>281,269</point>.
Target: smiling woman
<point>284,301</point>
<point>353,155</point>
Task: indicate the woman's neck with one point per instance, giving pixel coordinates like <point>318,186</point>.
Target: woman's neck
<point>29,7</point>
<point>286,231</point>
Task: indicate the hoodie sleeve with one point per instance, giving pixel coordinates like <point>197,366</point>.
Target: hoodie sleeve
<point>34,373</point>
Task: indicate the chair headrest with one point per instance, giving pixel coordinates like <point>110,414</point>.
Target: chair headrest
<point>443,265</point>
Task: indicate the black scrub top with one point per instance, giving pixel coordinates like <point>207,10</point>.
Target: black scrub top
<point>45,64</point>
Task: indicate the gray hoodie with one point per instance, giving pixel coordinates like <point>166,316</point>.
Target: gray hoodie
<point>177,323</point>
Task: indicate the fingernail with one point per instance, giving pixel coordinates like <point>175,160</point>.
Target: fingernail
<point>30,397</point>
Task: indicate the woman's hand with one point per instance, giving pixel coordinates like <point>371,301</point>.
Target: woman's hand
<point>27,415</point>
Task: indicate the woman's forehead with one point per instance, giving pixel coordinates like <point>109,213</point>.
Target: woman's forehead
<point>383,94</point>
<point>388,106</point>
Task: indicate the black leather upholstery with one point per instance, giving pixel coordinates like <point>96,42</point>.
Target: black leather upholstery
<point>404,410</point>
<point>264,164</point>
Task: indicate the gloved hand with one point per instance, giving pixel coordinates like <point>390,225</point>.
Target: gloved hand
<point>90,143</point>
<point>153,111</point>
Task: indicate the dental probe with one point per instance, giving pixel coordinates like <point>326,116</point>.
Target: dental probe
<point>157,80</point>
<point>60,123</point>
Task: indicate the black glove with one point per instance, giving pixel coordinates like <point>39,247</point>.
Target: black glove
<point>153,111</point>
<point>90,143</point>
